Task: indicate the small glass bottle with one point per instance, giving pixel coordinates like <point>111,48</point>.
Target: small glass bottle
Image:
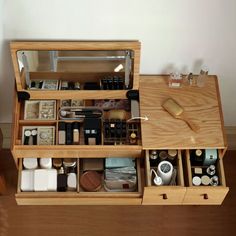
<point>175,80</point>
<point>201,79</point>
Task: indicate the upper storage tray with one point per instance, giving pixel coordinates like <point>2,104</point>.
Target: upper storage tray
<point>201,105</point>
<point>76,69</point>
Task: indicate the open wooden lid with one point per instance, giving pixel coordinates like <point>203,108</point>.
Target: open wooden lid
<point>82,61</point>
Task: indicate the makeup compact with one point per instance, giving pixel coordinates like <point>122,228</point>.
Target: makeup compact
<point>91,181</point>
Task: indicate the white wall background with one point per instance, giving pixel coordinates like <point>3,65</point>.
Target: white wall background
<point>174,33</point>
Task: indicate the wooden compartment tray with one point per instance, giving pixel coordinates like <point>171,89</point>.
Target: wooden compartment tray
<point>79,197</point>
<point>164,195</point>
<point>205,195</point>
<point>21,151</point>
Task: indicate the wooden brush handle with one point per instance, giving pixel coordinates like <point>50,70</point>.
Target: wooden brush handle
<point>190,123</point>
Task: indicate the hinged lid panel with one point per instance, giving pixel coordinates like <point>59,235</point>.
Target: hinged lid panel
<point>86,65</point>
<point>201,105</point>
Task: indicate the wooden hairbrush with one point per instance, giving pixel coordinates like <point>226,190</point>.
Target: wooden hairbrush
<point>177,112</point>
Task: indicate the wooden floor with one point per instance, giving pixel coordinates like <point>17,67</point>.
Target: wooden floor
<point>116,220</point>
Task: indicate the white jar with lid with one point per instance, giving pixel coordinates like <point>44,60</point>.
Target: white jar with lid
<point>45,163</point>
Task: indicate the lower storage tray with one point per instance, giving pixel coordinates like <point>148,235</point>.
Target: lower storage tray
<point>80,197</point>
<point>205,195</point>
<point>164,195</point>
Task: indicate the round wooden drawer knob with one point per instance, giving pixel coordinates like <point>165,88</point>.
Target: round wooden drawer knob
<point>91,181</point>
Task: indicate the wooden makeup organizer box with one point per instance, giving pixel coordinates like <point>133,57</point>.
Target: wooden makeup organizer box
<point>38,65</point>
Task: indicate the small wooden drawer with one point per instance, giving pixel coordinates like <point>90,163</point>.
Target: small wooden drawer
<point>205,195</point>
<point>80,197</point>
<point>164,195</point>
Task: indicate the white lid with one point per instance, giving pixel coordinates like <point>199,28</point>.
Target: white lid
<point>30,163</point>
<point>205,180</point>
<point>45,163</point>
<point>196,181</point>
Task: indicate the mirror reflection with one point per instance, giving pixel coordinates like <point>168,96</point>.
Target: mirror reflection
<point>75,70</point>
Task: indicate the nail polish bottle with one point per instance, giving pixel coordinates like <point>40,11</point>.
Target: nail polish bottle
<point>61,180</point>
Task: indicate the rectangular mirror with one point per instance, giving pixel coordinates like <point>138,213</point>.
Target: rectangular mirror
<point>76,69</point>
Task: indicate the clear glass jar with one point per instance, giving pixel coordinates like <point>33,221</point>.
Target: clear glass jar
<point>201,79</point>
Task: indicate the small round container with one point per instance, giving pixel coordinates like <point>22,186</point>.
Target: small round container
<point>172,154</point>
<point>57,163</point>
<point>163,155</point>
<point>196,181</point>
<point>30,163</point>
<point>91,181</point>
<point>45,163</point>
<point>205,180</point>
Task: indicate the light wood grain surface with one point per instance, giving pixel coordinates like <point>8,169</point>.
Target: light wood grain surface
<point>201,105</point>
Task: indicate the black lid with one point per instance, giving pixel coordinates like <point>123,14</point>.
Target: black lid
<point>76,125</point>
<point>62,126</point>
<point>92,123</point>
<point>133,95</point>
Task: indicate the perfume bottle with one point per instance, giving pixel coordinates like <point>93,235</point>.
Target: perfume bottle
<point>201,79</point>
<point>175,80</point>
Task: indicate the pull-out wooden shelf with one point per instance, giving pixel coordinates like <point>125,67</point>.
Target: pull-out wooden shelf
<point>21,151</point>
<point>164,195</point>
<point>80,197</point>
<point>205,195</point>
